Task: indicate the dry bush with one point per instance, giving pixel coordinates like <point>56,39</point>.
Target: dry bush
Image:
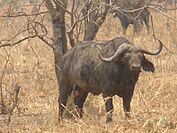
<point>31,66</point>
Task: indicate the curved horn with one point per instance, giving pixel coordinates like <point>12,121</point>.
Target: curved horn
<point>116,55</point>
<point>155,52</point>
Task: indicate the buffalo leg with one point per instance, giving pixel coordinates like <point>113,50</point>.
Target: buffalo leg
<point>124,31</point>
<point>126,104</point>
<point>79,99</point>
<point>64,91</point>
<point>109,107</point>
<point>146,18</point>
<point>146,21</point>
<point>124,25</point>
<point>136,28</point>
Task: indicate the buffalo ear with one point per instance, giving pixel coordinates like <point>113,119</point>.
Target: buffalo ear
<point>147,65</point>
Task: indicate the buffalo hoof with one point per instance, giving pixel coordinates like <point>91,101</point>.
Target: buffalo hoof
<point>127,115</point>
<point>108,119</point>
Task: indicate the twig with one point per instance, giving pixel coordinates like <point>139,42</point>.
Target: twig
<point>22,14</point>
<point>14,44</point>
<point>163,13</point>
<point>153,33</point>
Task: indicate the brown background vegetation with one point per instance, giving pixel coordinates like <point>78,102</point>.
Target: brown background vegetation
<point>31,66</point>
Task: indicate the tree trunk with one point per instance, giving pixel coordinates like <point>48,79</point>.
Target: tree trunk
<point>59,33</point>
<point>95,19</point>
<point>59,44</point>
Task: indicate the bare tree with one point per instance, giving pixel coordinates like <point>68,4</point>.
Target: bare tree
<point>87,16</point>
<point>57,12</point>
<point>95,19</point>
<point>93,13</point>
<point>31,28</point>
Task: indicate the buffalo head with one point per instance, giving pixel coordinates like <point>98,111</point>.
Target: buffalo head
<point>132,57</point>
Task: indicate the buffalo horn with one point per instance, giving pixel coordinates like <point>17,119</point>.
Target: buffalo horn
<point>119,51</point>
<point>155,52</point>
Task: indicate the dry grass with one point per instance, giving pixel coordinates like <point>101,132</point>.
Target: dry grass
<point>31,66</point>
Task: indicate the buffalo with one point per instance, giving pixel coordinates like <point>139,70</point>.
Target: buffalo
<point>109,67</point>
<point>132,12</point>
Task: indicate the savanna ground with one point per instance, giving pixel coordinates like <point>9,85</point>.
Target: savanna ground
<point>30,65</point>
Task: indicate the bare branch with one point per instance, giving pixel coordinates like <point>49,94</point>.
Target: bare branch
<point>73,24</point>
<point>31,30</point>
<point>44,40</point>
<point>50,7</point>
<point>23,14</point>
<point>162,8</point>
<point>94,19</point>
<point>163,13</point>
<point>155,36</point>
<point>14,44</point>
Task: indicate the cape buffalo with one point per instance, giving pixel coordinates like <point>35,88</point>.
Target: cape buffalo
<point>132,12</point>
<point>108,67</point>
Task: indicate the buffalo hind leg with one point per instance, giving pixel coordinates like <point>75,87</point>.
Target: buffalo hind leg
<point>64,92</point>
<point>79,99</point>
<point>146,18</point>
<point>124,25</point>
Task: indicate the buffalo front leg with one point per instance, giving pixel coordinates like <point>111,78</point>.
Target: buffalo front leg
<point>64,91</point>
<point>109,107</point>
<point>126,104</point>
<point>79,99</point>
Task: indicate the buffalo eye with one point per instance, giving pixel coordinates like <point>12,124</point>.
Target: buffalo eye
<point>127,56</point>
<point>141,56</point>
